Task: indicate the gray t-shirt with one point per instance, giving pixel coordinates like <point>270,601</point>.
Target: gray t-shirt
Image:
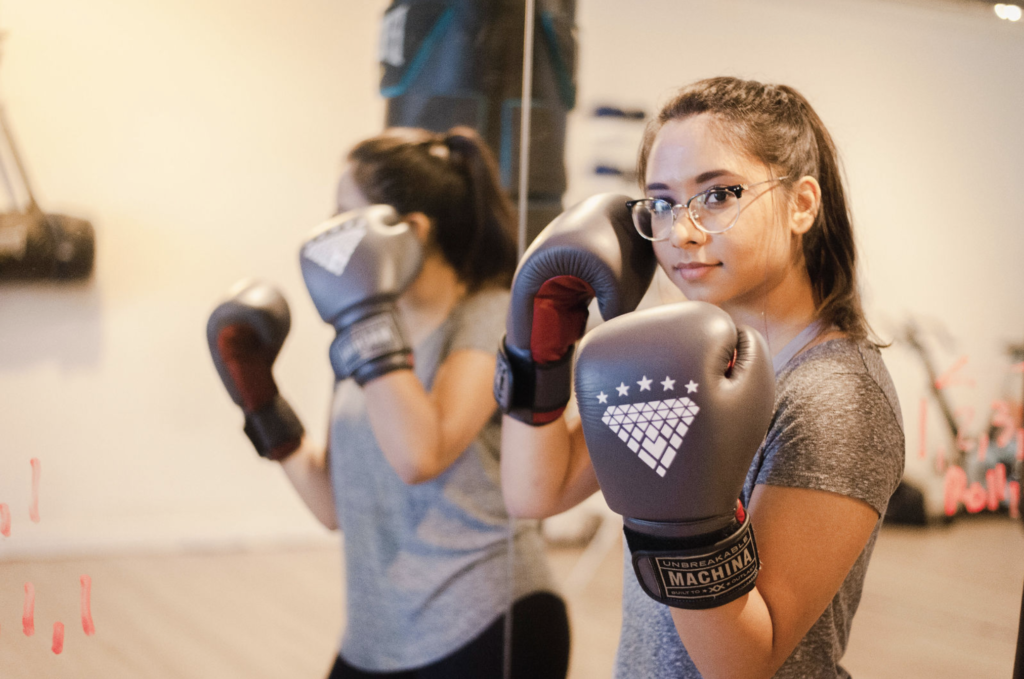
<point>837,427</point>
<point>427,565</point>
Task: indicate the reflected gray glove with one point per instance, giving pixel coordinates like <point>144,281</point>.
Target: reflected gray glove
<point>355,266</point>
<point>245,334</point>
<point>675,402</point>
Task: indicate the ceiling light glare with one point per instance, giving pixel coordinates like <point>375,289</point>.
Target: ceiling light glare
<point>1008,12</point>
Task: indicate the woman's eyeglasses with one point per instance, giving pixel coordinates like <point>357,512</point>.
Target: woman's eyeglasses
<point>714,210</point>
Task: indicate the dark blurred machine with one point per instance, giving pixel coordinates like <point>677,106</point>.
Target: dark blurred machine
<point>34,244</point>
<point>460,62</point>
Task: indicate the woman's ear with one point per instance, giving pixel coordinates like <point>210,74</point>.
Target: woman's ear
<point>806,204</point>
<point>421,225</point>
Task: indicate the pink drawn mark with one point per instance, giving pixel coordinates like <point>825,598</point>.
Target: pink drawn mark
<point>58,637</point>
<point>1020,443</point>
<point>975,498</point>
<point>1017,367</point>
<point>922,450</point>
<point>956,482</point>
<point>1014,491</point>
<point>950,377</point>
<point>28,614</point>
<point>5,520</point>
<point>982,447</point>
<point>962,442</point>
<point>33,510</point>
<point>87,625</point>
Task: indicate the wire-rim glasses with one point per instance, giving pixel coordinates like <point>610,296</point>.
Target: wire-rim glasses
<point>714,210</point>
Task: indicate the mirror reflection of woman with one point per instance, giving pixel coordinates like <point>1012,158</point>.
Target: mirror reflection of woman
<point>411,474</point>
<point>819,484</point>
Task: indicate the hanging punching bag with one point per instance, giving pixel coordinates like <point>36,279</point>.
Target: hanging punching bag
<point>460,62</point>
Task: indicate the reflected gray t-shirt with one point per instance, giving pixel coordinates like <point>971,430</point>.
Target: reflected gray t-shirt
<point>837,427</point>
<point>426,565</point>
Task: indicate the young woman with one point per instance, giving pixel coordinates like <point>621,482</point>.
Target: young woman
<point>746,210</point>
<point>410,475</point>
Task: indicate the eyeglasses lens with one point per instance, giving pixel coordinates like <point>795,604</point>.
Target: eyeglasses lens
<point>653,219</point>
<point>716,210</point>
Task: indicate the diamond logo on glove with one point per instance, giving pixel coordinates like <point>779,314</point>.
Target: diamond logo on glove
<point>653,430</point>
<point>334,246</point>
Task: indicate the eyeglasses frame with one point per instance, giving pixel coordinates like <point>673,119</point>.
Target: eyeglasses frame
<point>736,190</point>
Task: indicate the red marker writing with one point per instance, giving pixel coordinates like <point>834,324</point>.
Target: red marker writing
<point>982,447</point>
<point>28,614</point>
<point>87,625</point>
<point>58,637</point>
<point>950,378</point>
<point>956,482</point>
<point>5,520</point>
<point>33,510</point>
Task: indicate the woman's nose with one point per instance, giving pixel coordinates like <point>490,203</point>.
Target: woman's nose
<point>685,233</point>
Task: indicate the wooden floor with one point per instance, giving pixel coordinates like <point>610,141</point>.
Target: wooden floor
<point>940,603</point>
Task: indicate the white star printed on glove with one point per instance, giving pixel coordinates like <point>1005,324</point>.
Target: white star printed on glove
<point>668,384</point>
<point>602,397</point>
<point>645,384</point>
<point>691,387</point>
<point>622,389</point>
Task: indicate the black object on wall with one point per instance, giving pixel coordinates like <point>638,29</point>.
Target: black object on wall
<point>36,245</point>
<point>460,62</point>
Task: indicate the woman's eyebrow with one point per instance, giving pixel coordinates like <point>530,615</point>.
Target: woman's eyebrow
<point>700,179</point>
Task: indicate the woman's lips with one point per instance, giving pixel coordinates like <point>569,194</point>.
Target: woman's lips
<point>694,271</point>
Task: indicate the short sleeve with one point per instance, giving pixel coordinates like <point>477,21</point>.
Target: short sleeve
<point>836,429</point>
<point>480,321</point>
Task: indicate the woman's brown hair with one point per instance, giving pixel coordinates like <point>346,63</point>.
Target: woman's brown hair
<point>776,125</point>
<point>452,178</point>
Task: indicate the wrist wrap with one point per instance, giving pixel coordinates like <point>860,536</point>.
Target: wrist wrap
<point>532,393</point>
<point>696,573</point>
<point>275,429</point>
<point>370,346</point>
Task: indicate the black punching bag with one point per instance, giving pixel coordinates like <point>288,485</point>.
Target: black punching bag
<point>460,62</point>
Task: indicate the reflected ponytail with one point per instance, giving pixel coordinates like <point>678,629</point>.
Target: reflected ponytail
<point>452,178</point>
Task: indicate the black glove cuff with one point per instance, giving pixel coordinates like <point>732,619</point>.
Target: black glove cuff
<point>699,572</point>
<point>275,430</point>
<point>532,393</point>
<point>370,346</point>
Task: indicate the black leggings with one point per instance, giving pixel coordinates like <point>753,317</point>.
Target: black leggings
<point>540,648</point>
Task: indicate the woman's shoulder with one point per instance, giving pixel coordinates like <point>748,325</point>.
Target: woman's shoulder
<point>839,372</point>
<point>837,424</point>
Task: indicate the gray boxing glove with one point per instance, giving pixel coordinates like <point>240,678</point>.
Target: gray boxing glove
<point>245,334</point>
<point>674,403</point>
<point>591,250</point>
<point>355,266</point>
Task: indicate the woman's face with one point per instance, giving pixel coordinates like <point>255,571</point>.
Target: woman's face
<point>736,267</point>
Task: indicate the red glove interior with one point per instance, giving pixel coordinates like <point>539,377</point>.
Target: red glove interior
<point>249,362</point>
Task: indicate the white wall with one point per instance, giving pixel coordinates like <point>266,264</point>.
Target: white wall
<point>202,139</point>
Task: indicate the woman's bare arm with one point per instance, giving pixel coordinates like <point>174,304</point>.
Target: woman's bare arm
<point>808,540</point>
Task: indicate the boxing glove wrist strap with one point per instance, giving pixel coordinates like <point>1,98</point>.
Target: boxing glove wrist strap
<point>532,393</point>
<point>698,572</point>
<point>369,345</point>
<point>275,429</point>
